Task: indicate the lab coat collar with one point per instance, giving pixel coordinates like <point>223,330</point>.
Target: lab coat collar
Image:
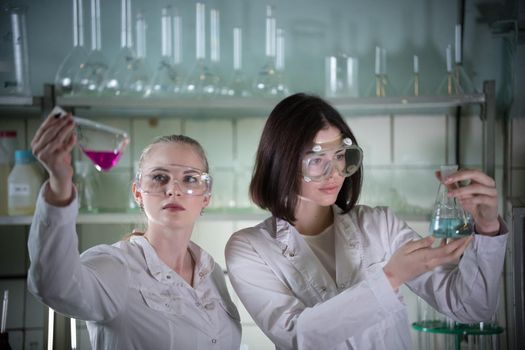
<point>204,263</point>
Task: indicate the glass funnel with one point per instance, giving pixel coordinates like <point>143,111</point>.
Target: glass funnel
<point>448,220</point>
<point>90,78</point>
<point>72,64</point>
<point>456,80</point>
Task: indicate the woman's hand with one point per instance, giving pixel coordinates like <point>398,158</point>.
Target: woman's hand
<point>479,198</point>
<point>52,146</point>
<point>417,257</point>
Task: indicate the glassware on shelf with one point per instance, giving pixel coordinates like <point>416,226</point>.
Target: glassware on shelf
<point>121,68</point>
<point>90,78</point>
<point>414,85</point>
<point>14,61</point>
<point>201,81</point>
<point>239,85</point>
<point>72,63</point>
<point>341,76</point>
<point>139,79</point>
<point>282,86</point>
<point>449,219</point>
<point>85,183</point>
<point>381,85</point>
<point>167,80</point>
<point>456,80</point>
<point>215,52</point>
<point>267,82</point>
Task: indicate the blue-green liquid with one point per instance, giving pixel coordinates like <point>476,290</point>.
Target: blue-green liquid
<point>449,228</point>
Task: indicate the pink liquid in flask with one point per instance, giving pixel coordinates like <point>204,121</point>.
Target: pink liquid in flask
<point>103,160</point>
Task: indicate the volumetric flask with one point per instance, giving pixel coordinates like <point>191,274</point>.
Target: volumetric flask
<point>448,220</point>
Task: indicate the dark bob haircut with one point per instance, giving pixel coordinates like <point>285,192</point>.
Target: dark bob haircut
<point>289,130</point>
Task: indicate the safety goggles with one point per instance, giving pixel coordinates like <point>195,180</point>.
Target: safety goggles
<point>339,154</point>
<point>159,180</point>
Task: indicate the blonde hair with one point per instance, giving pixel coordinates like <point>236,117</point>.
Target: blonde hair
<point>177,139</point>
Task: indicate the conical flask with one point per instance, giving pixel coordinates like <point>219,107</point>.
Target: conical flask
<point>448,220</point>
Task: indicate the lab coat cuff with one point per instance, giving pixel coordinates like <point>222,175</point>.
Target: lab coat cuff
<point>382,289</point>
<point>47,213</point>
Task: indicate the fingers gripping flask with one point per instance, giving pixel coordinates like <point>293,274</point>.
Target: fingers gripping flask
<point>448,220</point>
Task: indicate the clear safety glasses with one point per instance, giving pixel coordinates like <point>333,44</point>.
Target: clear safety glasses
<point>159,180</point>
<point>320,161</point>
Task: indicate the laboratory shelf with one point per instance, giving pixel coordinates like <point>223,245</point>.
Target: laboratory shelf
<point>257,105</point>
<point>20,101</point>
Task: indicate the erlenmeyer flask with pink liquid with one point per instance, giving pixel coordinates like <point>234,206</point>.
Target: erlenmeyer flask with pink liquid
<point>102,144</point>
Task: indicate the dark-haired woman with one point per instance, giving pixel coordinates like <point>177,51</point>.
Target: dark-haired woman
<point>156,290</point>
<point>324,272</point>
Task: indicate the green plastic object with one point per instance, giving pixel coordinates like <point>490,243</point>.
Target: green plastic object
<point>440,327</point>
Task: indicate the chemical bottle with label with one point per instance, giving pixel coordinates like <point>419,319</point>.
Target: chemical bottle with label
<point>24,183</point>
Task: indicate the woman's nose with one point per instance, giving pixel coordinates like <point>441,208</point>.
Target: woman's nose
<point>174,189</point>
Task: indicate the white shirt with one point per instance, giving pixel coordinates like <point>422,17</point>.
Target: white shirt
<point>128,296</point>
<point>299,306</point>
<point>323,246</point>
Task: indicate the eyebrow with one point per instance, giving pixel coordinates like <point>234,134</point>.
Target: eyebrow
<point>188,171</point>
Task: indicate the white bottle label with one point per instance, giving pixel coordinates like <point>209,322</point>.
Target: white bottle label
<point>19,190</point>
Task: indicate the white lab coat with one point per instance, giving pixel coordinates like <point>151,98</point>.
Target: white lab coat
<point>296,303</point>
<point>128,296</point>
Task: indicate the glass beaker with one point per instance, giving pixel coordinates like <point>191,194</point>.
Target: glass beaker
<point>448,220</point>
<point>14,61</point>
<point>341,76</point>
<point>72,63</point>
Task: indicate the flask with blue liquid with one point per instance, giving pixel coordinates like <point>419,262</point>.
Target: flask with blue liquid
<point>448,220</point>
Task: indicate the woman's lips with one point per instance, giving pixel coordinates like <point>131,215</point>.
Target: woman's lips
<point>329,189</point>
<point>173,207</point>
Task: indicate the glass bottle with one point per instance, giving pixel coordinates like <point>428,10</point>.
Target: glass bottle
<point>90,78</point>
<point>72,64</point>
<point>24,183</point>
<point>266,82</point>
<point>448,220</point>
<point>201,81</point>
<point>215,52</point>
<point>122,66</point>
<point>239,85</point>
<point>8,144</point>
